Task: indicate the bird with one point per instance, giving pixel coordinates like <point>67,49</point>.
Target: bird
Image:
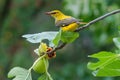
<point>65,22</point>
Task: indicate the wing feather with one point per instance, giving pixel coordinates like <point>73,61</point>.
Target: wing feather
<point>67,21</point>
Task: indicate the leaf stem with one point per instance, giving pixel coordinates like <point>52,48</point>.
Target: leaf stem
<point>49,76</point>
<point>29,72</point>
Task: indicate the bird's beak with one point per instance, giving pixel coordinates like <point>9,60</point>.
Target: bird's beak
<point>48,13</point>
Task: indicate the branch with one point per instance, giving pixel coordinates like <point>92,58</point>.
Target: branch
<point>98,19</point>
<point>86,26</point>
<point>57,48</point>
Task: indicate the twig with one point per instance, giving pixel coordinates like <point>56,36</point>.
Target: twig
<point>97,19</point>
<point>86,26</point>
<point>58,47</point>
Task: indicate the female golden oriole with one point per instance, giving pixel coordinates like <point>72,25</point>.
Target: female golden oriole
<point>67,23</point>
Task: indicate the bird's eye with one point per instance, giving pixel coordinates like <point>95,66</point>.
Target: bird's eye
<point>54,12</point>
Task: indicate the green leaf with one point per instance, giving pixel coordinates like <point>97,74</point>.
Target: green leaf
<point>19,74</point>
<point>65,36</point>
<point>117,42</point>
<point>44,77</point>
<point>68,36</point>
<point>38,37</point>
<point>108,64</point>
<point>57,38</point>
<point>40,66</point>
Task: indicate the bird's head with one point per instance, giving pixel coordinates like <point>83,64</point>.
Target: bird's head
<point>55,13</point>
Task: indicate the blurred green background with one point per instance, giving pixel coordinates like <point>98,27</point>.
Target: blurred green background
<point>18,17</point>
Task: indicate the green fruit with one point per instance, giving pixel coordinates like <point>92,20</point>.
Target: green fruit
<point>40,67</point>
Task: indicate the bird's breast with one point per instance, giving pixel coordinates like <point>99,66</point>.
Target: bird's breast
<point>70,27</point>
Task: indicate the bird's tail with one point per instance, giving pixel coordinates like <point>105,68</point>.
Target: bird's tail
<point>82,23</point>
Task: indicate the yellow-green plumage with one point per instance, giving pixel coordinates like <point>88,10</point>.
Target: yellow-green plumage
<point>66,23</point>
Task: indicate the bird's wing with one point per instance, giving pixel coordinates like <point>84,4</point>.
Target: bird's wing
<point>65,22</point>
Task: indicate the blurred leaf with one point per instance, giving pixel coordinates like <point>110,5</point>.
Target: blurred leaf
<point>117,42</point>
<point>57,38</point>
<point>38,37</point>
<point>74,6</point>
<point>20,74</point>
<point>86,7</point>
<point>68,36</point>
<point>108,64</point>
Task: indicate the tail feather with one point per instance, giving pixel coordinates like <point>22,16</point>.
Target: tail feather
<point>82,23</point>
